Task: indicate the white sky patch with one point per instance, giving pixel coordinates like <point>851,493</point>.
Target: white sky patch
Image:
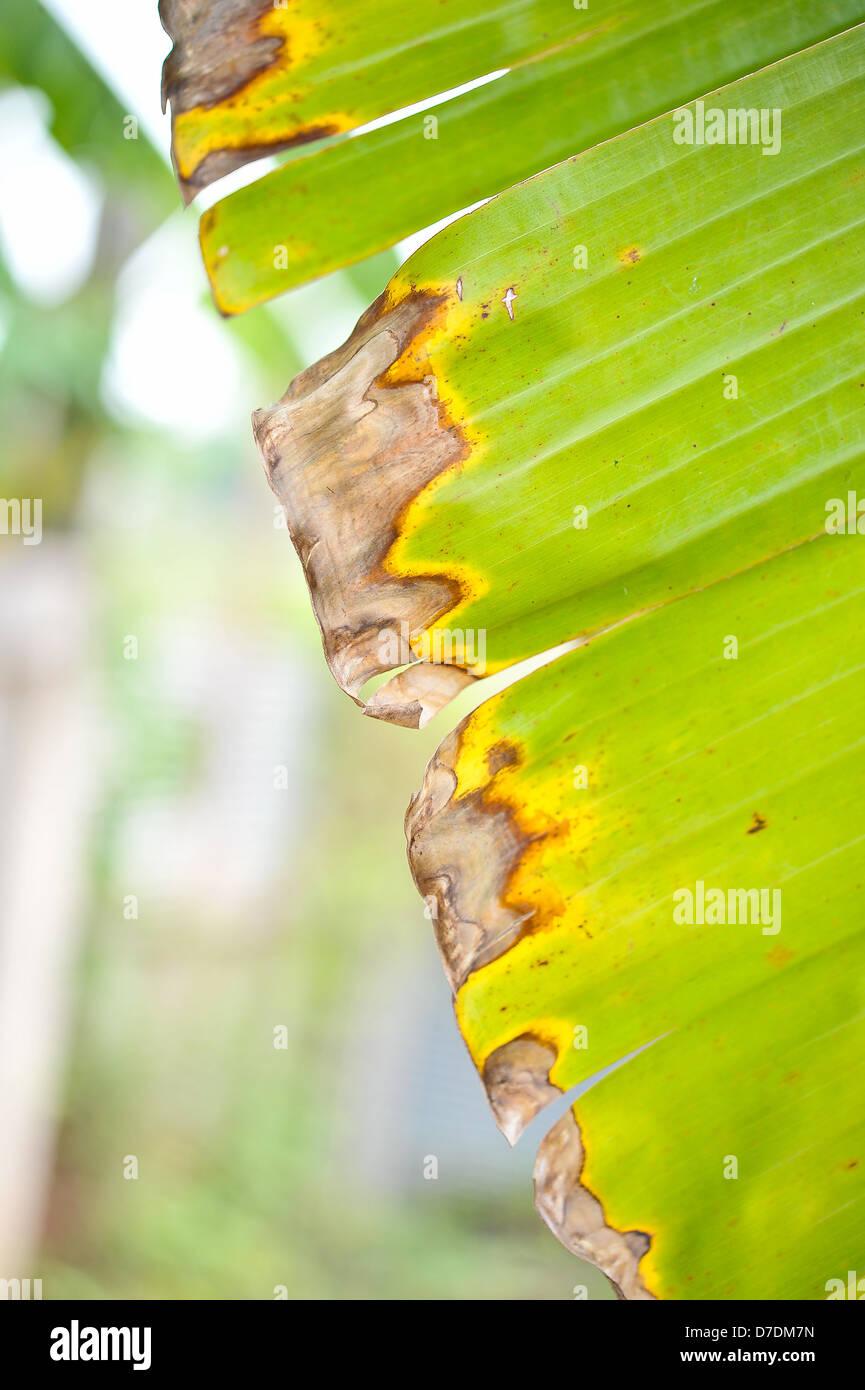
<point>170,364</point>
<point>51,207</point>
<point>126,44</point>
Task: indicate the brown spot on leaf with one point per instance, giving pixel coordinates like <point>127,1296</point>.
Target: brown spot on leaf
<point>501,754</point>
<point>779,956</point>
<point>463,851</point>
<point>218,49</point>
<point>576,1217</point>
<point>516,1077</point>
<point>221,162</point>
<point>352,443</point>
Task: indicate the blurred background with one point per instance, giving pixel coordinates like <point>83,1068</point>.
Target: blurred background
<point>229,1066</point>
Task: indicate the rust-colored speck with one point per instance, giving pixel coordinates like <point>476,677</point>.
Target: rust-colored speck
<point>501,754</point>
<point>780,956</point>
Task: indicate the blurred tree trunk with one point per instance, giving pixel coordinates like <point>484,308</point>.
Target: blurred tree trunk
<point>47,783</point>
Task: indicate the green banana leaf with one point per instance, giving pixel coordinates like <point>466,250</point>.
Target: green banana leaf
<point>671,402</point>
<point>696,387</point>
<point>619,407</point>
<point>250,77</point>
<point>296,222</point>
<point>561,838</point>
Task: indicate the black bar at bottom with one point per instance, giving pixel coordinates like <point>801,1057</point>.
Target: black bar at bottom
<point>150,1339</point>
